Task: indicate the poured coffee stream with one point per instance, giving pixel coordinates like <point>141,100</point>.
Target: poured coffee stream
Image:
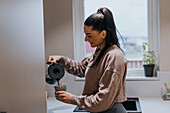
<point>58,82</point>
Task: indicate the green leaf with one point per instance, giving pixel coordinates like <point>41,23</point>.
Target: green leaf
<point>148,55</point>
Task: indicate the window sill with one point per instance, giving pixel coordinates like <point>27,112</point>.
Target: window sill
<point>133,77</point>
<point>138,75</point>
<point>142,78</point>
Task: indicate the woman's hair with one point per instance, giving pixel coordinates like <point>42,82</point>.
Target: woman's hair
<point>103,20</point>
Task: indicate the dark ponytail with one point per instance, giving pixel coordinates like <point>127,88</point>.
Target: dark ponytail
<point>103,20</point>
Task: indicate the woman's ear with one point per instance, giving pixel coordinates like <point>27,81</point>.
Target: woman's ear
<point>103,34</point>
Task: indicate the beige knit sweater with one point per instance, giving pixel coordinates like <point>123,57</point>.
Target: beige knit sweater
<point>104,82</point>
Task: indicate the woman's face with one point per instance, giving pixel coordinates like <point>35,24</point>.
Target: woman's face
<point>95,38</point>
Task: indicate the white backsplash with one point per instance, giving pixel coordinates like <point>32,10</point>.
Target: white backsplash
<point>148,88</point>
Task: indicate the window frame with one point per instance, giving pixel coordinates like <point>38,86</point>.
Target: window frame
<point>78,33</point>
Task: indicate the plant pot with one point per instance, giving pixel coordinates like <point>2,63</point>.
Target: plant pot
<point>149,70</point>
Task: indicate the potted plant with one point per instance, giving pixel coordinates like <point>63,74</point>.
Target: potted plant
<point>148,60</point>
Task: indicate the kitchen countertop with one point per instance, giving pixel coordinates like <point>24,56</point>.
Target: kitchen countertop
<point>148,105</point>
<point>154,105</point>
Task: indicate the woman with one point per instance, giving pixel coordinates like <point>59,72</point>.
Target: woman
<point>105,70</point>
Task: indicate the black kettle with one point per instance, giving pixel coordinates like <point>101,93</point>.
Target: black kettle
<point>55,72</point>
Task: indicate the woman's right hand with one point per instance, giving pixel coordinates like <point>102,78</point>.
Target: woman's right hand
<point>53,59</point>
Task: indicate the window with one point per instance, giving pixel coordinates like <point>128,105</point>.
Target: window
<point>136,20</point>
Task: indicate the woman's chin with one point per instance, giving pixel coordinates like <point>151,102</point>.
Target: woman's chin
<point>93,46</point>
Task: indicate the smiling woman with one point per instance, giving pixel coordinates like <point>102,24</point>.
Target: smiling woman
<point>105,70</point>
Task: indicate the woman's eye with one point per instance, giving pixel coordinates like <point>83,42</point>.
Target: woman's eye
<point>89,36</point>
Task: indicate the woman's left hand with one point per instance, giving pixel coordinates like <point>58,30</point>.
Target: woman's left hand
<point>63,96</point>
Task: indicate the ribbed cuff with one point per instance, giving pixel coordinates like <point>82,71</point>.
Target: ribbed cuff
<point>73,100</point>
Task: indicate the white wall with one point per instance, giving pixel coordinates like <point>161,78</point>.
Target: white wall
<point>22,66</point>
<point>59,40</point>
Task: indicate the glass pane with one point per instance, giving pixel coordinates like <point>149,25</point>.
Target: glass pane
<point>131,20</point>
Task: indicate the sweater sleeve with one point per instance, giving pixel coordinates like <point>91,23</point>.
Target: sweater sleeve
<point>73,67</point>
<point>109,86</point>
